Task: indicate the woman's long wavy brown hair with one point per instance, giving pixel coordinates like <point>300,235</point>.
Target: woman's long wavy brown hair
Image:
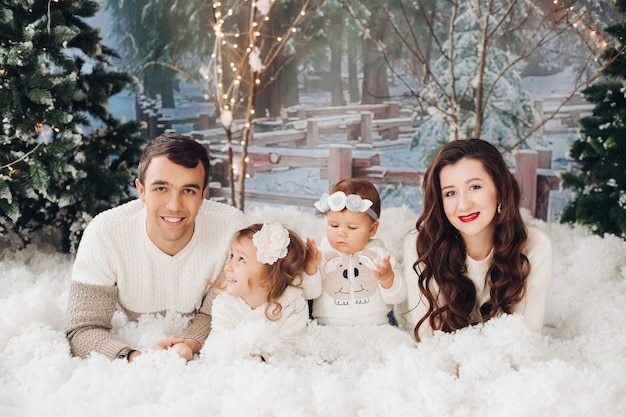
<point>442,253</point>
<point>282,273</point>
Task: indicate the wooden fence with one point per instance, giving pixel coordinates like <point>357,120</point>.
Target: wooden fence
<point>297,145</point>
<point>562,115</point>
<point>339,161</point>
<point>155,119</point>
<point>357,122</point>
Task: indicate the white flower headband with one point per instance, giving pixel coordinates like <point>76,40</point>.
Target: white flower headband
<point>271,243</point>
<point>339,201</point>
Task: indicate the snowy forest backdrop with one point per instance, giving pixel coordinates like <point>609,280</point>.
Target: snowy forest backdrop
<point>69,143</point>
<point>460,69</point>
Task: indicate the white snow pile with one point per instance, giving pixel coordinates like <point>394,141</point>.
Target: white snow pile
<point>577,367</point>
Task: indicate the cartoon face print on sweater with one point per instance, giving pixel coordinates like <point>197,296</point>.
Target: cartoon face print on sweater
<point>350,278</point>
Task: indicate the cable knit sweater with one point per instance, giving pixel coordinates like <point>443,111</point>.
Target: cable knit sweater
<point>117,265</point>
<point>531,307</point>
<point>255,332</point>
<point>345,291</point>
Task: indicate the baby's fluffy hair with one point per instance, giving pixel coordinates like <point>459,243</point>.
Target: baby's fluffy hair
<point>361,187</point>
<point>282,273</point>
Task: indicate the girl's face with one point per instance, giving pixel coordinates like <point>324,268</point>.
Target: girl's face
<point>348,232</point>
<point>244,274</point>
<point>470,199</point>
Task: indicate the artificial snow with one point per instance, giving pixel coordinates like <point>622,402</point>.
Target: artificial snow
<point>576,367</point>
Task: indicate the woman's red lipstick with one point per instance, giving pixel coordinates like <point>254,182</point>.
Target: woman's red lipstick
<point>469,218</point>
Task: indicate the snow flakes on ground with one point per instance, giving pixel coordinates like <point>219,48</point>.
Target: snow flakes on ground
<point>575,368</point>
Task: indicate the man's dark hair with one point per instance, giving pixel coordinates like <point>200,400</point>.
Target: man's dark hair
<point>181,150</point>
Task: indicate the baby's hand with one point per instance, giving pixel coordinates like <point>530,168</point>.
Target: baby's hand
<point>384,273</point>
<point>313,257</point>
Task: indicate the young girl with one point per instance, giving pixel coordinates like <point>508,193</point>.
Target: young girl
<point>260,300</point>
<point>471,257</point>
<point>352,278</point>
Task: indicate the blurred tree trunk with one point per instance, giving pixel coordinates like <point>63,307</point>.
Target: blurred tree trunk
<point>375,85</point>
<point>337,23</point>
<point>159,80</point>
<point>280,88</point>
<point>353,73</point>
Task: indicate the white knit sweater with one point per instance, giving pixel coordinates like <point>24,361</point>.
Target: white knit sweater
<point>116,252</point>
<point>531,307</point>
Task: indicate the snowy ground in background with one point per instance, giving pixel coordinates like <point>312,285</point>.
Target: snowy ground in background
<point>307,182</point>
<point>575,369</point>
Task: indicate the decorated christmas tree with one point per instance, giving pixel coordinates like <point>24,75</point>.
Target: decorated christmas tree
<point>599,177</point>
<point>63,157</point>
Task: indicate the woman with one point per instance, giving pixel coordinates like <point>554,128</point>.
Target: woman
<point>471,257</point>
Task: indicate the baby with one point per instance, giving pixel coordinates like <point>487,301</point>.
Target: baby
<point>352,278</point>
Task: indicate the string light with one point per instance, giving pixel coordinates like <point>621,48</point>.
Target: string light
<point>10,167</point>
<point>244,63</point>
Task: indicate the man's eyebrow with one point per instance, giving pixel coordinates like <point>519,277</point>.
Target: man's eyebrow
<point>196,186</point>
<point>163,182</point>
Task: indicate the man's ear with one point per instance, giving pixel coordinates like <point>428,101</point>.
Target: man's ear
<point>140,188</point>
<point>374,228</point>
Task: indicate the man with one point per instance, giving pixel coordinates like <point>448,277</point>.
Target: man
<point>156,254</point>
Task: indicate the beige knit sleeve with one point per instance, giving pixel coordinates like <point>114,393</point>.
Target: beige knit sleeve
<point>90,309</point>
<point>200,325</point>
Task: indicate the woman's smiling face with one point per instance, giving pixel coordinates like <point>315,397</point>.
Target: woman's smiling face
<point>470,198</point>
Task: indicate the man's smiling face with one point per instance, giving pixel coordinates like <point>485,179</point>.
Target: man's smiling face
<point>173,195</point>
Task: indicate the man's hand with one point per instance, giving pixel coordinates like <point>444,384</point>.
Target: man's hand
<point>185,348</point>
<point>133,355</point>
